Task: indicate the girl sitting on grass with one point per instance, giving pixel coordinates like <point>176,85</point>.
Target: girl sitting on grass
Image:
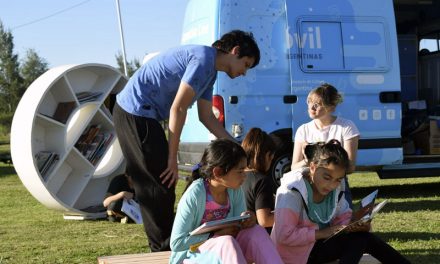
<point>214,194</point>
<point>258,187</point>
<point>310,206</point>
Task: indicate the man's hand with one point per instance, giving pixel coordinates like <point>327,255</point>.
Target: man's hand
<point>170,174</point>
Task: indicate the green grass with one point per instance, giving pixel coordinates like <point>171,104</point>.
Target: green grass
<point>4,145</point>
<point>31,233</point>
<point>410,222</point>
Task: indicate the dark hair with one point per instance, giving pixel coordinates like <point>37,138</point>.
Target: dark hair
<point>257,144</point>
<point>223,153</point>
<point>323,154</point>
<point>246,42</point>
<point>328,93</point>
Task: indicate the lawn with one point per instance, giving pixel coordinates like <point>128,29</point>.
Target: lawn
<point>31,233</point>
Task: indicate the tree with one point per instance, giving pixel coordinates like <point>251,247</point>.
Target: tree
<point>32,67</point>
<point>132,66</point>
<point>11,83</point>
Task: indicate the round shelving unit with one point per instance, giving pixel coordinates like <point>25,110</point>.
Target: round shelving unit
<point>63,144</point>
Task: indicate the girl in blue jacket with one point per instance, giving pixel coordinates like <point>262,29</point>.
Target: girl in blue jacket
<point>214,194</point>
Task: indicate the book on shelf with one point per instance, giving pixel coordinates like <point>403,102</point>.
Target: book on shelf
<point>45,161</point>
<point>102,146</point>
<point>63,111</point>
<point>218,224</point>
<point>93,143</point>
<point>88,96</point>
<point>87,138</point>
<point>366,212</point>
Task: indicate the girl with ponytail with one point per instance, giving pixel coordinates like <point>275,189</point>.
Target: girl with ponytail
<point>310,207</point>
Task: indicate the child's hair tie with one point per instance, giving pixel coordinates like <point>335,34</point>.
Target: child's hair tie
<point>196,167</point>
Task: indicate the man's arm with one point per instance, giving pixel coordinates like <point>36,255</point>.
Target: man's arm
<point>207,117</point>
<point>178,111</point>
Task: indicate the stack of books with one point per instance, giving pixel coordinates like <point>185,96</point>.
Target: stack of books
<point>84,97</point>
<point>45,161</point>
<point>93,143</point>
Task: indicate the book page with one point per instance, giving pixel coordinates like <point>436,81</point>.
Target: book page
<point>218,224</point>
<point>368,217</point>
<point>369,199</point>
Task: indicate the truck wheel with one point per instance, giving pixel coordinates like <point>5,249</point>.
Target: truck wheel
<point>280,165</point>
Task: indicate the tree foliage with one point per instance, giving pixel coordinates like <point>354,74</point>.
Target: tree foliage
<point>32,67</point>
<point>15,78</point>
<point>132,66</point>
<point>11,83</point>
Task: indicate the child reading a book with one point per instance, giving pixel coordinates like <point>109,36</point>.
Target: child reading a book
<point>258,187</point>
<point>310,206</point>
<point>214,194</point>
<point>120,188</point>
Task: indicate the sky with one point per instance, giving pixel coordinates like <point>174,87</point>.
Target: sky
<point>87,31</point>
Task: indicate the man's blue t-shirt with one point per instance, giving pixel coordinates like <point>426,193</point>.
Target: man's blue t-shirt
<point>150,92</point>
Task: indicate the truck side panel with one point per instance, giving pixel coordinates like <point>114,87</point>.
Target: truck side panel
<point>352,45</point>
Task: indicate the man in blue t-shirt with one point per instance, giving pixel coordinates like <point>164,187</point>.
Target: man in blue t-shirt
<point>164,88</point>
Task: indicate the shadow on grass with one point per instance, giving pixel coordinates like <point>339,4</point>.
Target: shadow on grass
<point>399,191</point>
<point>422,255</point>
<point>409,236</point>
<point>411,206</point>
<point>7,170</point>
<point>415,255</point>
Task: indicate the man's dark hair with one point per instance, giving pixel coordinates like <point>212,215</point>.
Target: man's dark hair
<point>246,42</point>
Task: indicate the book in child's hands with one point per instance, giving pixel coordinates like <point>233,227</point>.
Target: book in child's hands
<point>367,210</point>
<point>218,224</point>
<point>132,209</point>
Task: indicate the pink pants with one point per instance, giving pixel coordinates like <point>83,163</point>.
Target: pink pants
<point>252,245</point>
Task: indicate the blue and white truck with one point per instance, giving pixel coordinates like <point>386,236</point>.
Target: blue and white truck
<point>369,50</point>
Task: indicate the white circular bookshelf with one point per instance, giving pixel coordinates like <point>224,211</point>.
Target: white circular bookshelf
<point>63,144</point>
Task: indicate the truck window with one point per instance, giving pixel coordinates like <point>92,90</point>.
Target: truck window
<point>346,45</point>
<point>429,43</point>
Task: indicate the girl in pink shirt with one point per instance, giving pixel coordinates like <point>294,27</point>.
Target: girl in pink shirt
<point>310,207</point>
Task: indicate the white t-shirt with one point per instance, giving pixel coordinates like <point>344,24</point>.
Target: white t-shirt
<point>341,129</point>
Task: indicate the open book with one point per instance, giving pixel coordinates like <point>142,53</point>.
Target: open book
<point>132,210</point>
<point>218,224</point>
<point>365,213</point>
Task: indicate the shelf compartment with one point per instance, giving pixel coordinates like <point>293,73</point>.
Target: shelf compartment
<point>78,122</point>
<point>58,93</point>
<point>96,138</point>
<point>93,79</point>
<point>48,135</point>
<point>55,182</point>
<point>77,173</point>
<point>93,194</point>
